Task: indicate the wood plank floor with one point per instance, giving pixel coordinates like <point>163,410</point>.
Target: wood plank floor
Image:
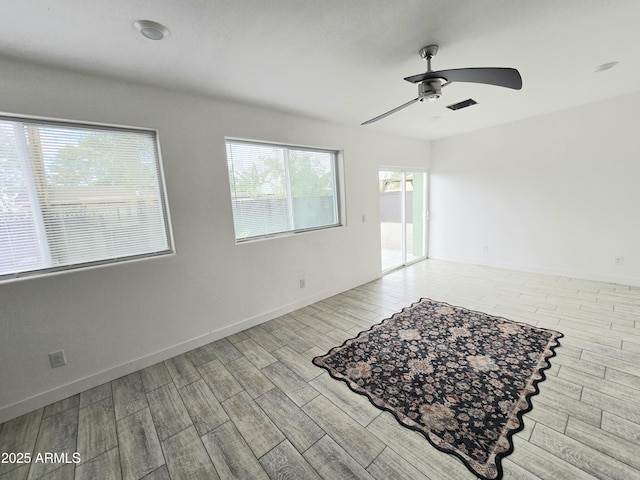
<point>253,406</point>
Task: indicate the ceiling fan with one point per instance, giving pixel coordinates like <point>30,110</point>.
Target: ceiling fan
<point>430,83</point>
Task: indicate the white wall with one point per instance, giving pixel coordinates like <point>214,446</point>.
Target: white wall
<point>114,320</point>
<point>559,193</point>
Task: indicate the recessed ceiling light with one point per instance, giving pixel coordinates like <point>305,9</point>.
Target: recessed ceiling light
<point>151,30</point>
<point>605,66</point>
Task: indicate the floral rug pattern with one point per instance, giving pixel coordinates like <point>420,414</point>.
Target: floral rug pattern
<point>462,378</point>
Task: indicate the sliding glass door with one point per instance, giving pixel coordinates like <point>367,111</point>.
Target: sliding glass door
<point>403,207</point>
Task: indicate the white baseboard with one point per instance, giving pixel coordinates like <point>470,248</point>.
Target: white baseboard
<point>577,274</point>
<point>80,385</point>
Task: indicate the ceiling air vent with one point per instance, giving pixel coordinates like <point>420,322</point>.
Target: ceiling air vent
<point>462,104</point>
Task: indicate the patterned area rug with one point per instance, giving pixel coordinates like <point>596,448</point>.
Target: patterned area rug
<point>462,378</point>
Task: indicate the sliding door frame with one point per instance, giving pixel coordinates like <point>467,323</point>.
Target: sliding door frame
<point>404,171</point>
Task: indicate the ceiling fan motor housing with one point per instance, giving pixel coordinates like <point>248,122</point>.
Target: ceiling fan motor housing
<point>429,90</point>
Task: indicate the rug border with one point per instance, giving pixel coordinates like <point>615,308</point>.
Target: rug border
<point>552,344</point>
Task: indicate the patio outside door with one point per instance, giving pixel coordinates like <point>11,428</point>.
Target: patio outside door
<point>403,204</point>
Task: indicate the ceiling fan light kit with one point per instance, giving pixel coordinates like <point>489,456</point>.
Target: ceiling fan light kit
<point>429,90</point>
<point>431,82</point>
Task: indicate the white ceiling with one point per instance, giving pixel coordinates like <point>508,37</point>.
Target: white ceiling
<point>345,60</point>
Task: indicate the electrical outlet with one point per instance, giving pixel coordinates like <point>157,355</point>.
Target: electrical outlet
<point>618,260</point>
<point>485,249</point>
<point>303,284</point>
<point>57,359</point>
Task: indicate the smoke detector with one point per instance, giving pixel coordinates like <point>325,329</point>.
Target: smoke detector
<point>151,30</point>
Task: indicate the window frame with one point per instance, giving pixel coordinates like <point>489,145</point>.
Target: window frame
<point>338,179</point>
<point>163,201</point>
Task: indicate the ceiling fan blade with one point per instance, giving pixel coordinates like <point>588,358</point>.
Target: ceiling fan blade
<point>501,77</point>
<point>380,117</point>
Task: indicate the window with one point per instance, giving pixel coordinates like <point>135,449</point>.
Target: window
<point>279,189</point>
<point>76,195</point>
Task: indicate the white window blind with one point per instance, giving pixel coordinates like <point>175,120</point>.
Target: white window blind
<point>279,189</point>
<point>75,195</point>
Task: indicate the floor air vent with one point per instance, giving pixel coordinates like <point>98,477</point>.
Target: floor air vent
<point>463,104</point>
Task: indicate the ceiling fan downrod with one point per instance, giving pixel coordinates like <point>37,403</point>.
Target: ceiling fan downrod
<point>429,90</point>
<point>428,53</point>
